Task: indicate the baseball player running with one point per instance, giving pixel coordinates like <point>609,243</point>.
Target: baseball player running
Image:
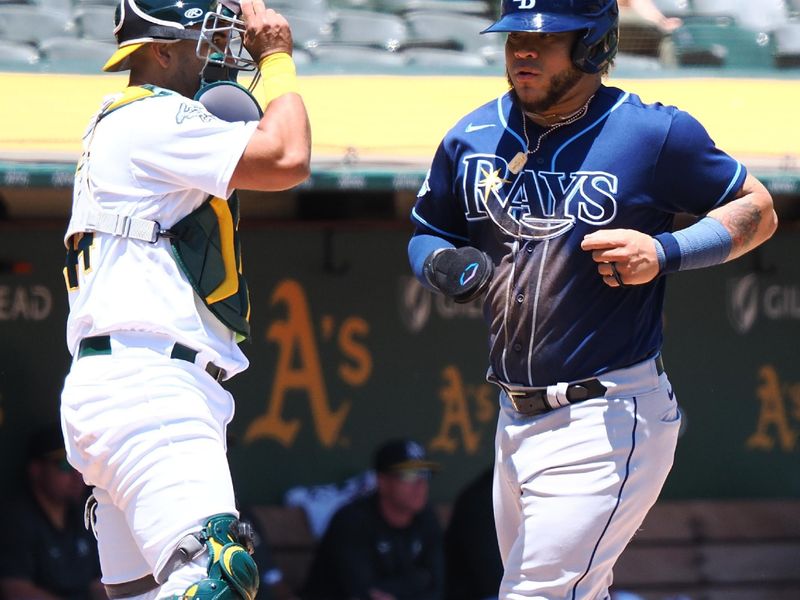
<point>556,200</point>
<point>157,300</point>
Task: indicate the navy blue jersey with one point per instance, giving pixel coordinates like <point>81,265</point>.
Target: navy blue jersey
<point>624,165</point>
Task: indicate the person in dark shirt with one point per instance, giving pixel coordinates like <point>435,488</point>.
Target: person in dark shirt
<point>473,568</point>
<point>386,545</point>
<point>52,556</point>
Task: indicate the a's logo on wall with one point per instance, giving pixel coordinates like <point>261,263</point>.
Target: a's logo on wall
<point>743,302</point>
<point>306,343</point>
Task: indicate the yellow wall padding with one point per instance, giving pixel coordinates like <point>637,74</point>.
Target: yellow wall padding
<point>402,118</point>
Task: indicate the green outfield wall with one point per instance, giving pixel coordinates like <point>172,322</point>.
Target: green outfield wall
<point>348,350</point>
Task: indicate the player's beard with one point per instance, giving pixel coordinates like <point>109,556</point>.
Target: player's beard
<point>560,85</point>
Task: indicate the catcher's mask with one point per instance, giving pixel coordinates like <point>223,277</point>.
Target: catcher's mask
<point>220,43</point>
<point>213,24</point>
<point>218,32</point>
<point>597,19</point>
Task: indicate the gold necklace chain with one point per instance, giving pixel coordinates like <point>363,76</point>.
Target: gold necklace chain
<point>516,164</point>
<point>568,121</point>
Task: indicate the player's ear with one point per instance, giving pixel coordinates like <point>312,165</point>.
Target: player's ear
<point>162,53</point>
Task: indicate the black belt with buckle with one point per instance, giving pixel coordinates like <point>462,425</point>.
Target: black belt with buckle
<point>101,344</point>
<point>531,401</point>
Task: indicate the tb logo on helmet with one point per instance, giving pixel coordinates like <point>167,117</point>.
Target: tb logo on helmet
<point>526,4</point>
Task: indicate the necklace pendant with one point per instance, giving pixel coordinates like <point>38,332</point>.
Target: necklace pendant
<point>519,160</point>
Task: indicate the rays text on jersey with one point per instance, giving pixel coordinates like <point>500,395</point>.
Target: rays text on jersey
<point>536,204</point>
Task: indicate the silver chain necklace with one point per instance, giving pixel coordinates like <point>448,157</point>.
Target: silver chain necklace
<point>520,158</point>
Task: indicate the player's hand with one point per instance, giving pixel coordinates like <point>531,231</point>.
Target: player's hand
<point>623,256</point>
<point>669,24</point>
<point>462,274</point>
<point>266,32</point>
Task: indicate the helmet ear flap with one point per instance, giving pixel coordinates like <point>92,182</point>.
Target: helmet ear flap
<point>595,49</point>
<point>593,58</point>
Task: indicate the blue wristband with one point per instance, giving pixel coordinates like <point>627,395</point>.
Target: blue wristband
<point>671,252</point>
<point>704,244</point>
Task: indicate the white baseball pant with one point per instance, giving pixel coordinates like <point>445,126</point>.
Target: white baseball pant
<point>572,486</point>
<point>148,432</point>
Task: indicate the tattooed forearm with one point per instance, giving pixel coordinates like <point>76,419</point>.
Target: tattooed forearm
<point>742,220</point>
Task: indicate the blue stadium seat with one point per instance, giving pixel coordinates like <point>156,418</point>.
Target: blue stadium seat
<point>32,24</point>
<point>674,8</point>
<point>722,43</point>
<point>309,29</point>
<point>65,7</point>
<point>714,8</point>
<point>443,60</point>
<point>70,55</point>
<point>353,4</point>
<point>787,45</point>
<point>761,15</point>
<point>463,31</point>
<point>474,7</point>
<point>95,22</point>
<point>348,57</point>
<point>370,28</point>
<point>18,56</point>
<point>764,15</point>
<point>312,8</point>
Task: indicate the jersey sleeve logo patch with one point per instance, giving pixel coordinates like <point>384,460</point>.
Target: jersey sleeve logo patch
<point>536,205</point>
<point>187,111</point>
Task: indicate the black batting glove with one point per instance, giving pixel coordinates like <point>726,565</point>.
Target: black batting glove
<point>459,273</point>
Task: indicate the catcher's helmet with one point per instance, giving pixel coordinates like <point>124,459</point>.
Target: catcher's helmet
<point>137,22</point>
<point>599,19</point>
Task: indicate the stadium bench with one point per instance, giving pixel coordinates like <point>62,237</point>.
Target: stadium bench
<point>698,549</point>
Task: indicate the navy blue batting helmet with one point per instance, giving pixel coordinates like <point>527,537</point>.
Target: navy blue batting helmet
<point>598,19</point>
